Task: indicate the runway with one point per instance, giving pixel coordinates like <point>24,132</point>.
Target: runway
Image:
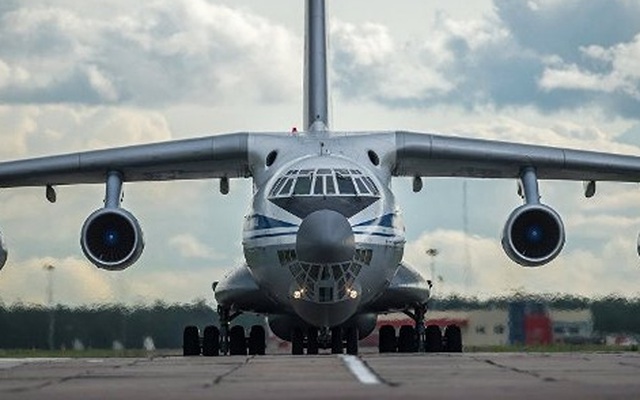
<point>370,376</point>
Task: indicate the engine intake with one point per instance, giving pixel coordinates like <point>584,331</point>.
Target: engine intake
<point>533,235</point>
<point>111,239</point>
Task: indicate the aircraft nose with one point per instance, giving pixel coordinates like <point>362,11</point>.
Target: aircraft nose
<point>325,236</point>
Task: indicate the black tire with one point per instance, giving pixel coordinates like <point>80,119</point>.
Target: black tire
<point>453,339</point>
<point>237,341</point>
<point>211,341</point>
<point>351,336</point>
<point>387,341</point>
<point>257,340</point>
<point>433,339</point>
<point>336,340</point>
<point>297,342</point>
<point>407,339</point>
<point>312,341</point>
<point>191,341</point>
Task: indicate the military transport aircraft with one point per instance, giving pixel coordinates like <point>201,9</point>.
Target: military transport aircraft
<point>324,240</point>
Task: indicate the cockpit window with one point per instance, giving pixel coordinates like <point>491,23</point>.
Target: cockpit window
<point>361,186</point>
<point>286,188</point>
<point>303,185</point>
<point>277,186</point>
<point>329,185</point>
<point>324,182</point>
<point>318,188</point>
<point>345,184</point>
<point>371,185</point>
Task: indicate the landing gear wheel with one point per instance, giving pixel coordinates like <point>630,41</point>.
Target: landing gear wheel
<point>352,340</point>
<point>191,341</point>
<point>297,341</point>
<point>336,340</point>
<point>312,341</point>
<point>453,339</point>
<point>407,339</point>
<point>433,339</point>
<point>387,341</point>
<point>237,341</point>
<point>257,340</point>
<point>211,341</point>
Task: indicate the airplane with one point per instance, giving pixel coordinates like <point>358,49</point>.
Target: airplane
<point>323,242</point>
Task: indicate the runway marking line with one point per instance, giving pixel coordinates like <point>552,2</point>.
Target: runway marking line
<point>363,373</point>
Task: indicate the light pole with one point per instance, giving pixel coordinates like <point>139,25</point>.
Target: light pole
<point>52,322</point>
<point>432,252</point>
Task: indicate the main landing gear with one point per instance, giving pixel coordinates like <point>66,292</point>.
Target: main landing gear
<point>226,340</point>
<point>337,339</point>
<point>417,338</point>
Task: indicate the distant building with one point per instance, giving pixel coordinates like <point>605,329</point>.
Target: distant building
<point>572,326</point>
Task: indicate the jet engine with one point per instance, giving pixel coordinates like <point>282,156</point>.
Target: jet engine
<point>3,253</point>
<point>533,235</point>
<point>111,239</point>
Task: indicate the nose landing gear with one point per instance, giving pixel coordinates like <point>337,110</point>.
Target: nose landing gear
<point>337,339</point>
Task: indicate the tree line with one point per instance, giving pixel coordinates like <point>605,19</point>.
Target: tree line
<point>611,314</point>
<point>99,327</point>
<point>37,327</point>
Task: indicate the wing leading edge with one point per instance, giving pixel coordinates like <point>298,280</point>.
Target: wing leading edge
<point>209,157</point>
<point>421,154</point>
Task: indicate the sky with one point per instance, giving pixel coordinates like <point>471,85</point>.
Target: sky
<point>85,75</point>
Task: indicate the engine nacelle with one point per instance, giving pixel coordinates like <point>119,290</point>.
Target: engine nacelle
<point>533,235</point>
<point>3,252</point>
<point>111,239</point>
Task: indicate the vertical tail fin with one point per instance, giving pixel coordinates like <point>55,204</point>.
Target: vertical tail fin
<point>316,114</point>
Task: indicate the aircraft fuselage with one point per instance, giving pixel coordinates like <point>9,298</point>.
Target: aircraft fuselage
<point>324,236</point>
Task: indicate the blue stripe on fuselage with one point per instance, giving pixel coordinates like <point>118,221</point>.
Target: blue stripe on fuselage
<point>385,221</point>
<point>259,222</point>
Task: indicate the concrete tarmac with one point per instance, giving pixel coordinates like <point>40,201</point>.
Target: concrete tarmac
<point>370,376</point>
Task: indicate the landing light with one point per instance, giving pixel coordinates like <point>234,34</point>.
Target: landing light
<point>298,294</point>
<point>353,294</point>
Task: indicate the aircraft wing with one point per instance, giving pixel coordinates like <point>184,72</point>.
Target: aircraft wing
<point>420,154</point>
<point>209,157</point>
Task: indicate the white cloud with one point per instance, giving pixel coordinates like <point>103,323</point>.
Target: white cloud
<point>562,132</point>
<point>368,62</point>
<point>622,62</point>
<point>16,125</point>
<point>10,76</point>
<point>193,51</point>
<point>188,246</point>
<point>76,282</point>
<point>486,271</point>
<point>31,130</point>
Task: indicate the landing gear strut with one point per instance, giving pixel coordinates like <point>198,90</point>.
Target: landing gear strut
<point>225,333</point>
<point>420,338</point>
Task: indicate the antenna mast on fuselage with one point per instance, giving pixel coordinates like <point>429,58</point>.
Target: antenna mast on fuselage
<point>316,92</point>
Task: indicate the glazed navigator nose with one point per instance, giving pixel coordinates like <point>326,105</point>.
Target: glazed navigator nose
<point>325,236</point>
